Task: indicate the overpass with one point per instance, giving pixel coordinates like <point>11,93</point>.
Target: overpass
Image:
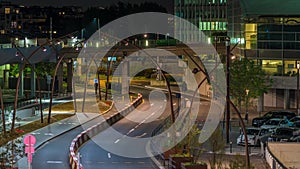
<point>71,49</point>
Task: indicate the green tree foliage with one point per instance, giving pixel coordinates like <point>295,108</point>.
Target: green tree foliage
<point>14,70</point>
<point>42,69</point>
<point>246,75</point>
<point>217,146</point>
<point>120,9</point>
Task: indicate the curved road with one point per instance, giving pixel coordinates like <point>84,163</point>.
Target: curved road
<point>54,154</point>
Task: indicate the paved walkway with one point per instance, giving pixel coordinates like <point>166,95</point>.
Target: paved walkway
<point>49,132</point>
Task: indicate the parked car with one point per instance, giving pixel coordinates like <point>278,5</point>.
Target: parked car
<point>294,119</point>
<point>271,124</point>
<point>258,121</point>
<point>295,139</point>
<point>262,136</point>
<point>282,134</point>
<point>251,134</point>
<point>296,124</point>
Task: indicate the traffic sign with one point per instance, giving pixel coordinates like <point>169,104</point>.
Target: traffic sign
<point>29,140</point>
<point>29,149</point>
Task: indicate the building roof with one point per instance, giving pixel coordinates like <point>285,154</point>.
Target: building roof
<point>270,7</point>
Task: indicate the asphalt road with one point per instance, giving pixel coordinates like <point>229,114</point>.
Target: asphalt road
<point>54,154</point>
<point>134,126</point>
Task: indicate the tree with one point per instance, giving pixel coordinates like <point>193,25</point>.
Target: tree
<point>247,81</point>
<point>217,146</point>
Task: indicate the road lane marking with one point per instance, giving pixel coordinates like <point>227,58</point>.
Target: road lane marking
<point>117,141</point>
<point>35,133</point>
<point>142,135</point>
<point>48,134</point>
<point>54,162</point>
<point>108,155</point>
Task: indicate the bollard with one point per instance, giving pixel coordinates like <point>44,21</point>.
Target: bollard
<point>231,147</point>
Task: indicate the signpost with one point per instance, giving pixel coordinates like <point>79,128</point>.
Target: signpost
<point>29,142</point>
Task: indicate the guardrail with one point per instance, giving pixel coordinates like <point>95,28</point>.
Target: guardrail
<point>272,161</point>
<point>94,130</point>
<point>160,158</point>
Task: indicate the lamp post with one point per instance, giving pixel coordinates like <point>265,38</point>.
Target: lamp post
<point>298,67</point>
<point>227,89</point>
<point>247,100</point>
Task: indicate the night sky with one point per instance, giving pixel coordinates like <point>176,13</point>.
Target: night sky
<point>87,3</point>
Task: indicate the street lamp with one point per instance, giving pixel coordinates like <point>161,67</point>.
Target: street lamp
<point>298,67</point>
<point>227,89</point>
<point>247,94</point>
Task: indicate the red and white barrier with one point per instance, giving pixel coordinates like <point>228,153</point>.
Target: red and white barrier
<point>94,130</point>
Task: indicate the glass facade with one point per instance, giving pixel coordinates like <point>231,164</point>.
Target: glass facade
<point>209,16</point>
<point>273,40</point>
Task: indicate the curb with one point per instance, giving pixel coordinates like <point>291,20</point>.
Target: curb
<point>72,128</point>
<point>94,130</point>
<point>39,145</point>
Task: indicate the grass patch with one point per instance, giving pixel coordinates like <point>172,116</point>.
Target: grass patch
<point>27,128</point>
<point>69,107</point>
<point>64,107</point>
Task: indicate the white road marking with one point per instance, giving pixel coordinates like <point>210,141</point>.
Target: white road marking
<point>130,131</point>
<point>108,155</point>
<point>54,162</point>
<point>35,133</point>
<point>48,134</point>
<point>116,142</point>
<point>141,135</point>
<point>151,104</point>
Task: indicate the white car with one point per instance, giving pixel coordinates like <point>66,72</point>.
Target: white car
<point>251,134</point>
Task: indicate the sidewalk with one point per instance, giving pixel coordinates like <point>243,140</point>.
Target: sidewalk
<point>49,132</point>
<point>54,130</point>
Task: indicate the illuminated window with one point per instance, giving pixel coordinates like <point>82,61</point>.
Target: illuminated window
<point>17,11</point>
<point>13,24</point>
<point>7,11</point>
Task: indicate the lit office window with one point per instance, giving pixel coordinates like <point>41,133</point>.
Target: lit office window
<point>13,24</point>
<point>7,10</point>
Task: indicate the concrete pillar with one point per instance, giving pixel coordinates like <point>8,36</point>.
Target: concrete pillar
<point>21,87</point>
<point>286,101</point>
<point>6,79</point>
<point>125,78</point>
<point>33,81</point>
<point>60,78</point>
<point>260,104</point>
<point>69,75</point>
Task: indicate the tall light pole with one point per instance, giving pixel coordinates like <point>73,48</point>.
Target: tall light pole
<point>297,106</point>
<point>227,89</point>
<point>247,100</point>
